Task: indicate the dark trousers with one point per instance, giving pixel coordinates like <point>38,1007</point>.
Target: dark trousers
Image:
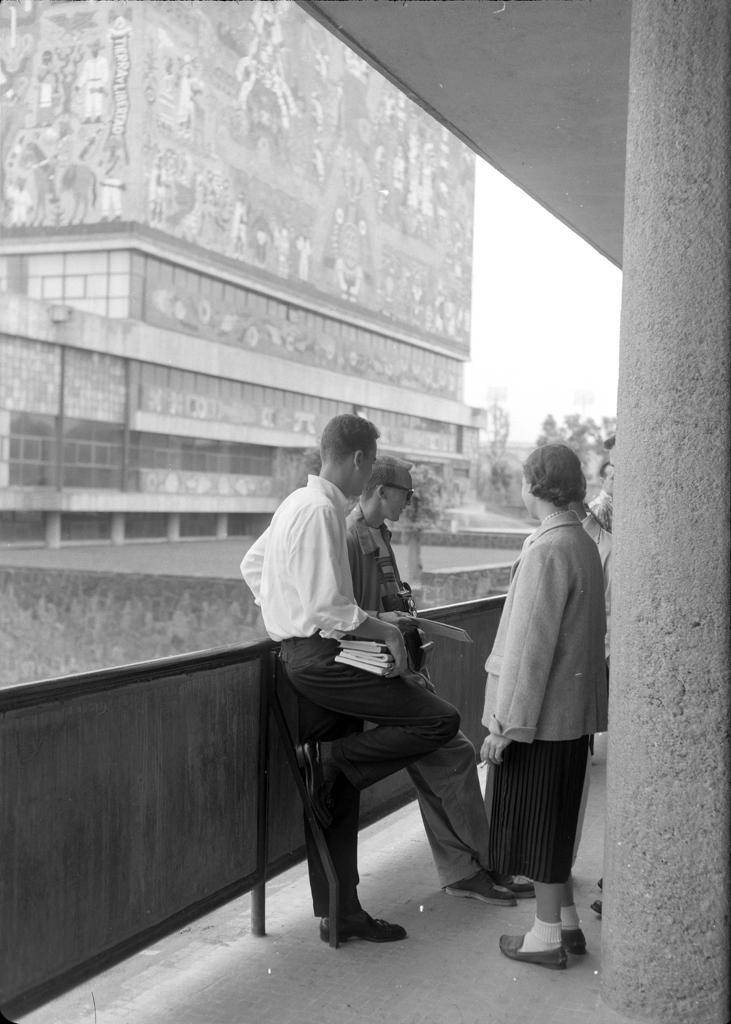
<point>333,702</point>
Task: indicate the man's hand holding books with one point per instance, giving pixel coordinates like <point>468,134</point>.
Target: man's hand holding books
<point>370,655</point>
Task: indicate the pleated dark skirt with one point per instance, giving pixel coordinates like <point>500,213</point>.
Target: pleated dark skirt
<point>535,808</point>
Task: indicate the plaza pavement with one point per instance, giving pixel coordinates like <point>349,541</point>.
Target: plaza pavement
<point>448,971</point>
<point>217,559</point>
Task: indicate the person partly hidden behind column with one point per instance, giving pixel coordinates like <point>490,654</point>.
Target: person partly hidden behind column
<point>597,522</point>
<point>446,780</point>
<point>546,693</point>
<point>299,574</point>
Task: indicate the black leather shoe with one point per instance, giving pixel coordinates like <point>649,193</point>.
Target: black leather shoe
<point>553,959</point>
<point>363,926</point>
<point>308,758</point>
<point>481,887</point>
<point>521,890</point>
<point>573,941</point>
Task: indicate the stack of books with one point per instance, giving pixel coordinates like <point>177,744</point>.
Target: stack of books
<point>370,655</point>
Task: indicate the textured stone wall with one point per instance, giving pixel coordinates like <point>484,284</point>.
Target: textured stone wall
<point>451,586</point>
<point>57,622</point>
<point>665,927</point>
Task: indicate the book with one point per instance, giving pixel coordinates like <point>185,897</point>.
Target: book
<point>432,628</point>
<point>375,646</point>
<point>365,666</point>
<point>376,659</point>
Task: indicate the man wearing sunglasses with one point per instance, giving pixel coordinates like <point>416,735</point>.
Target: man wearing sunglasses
<point>446,780</point>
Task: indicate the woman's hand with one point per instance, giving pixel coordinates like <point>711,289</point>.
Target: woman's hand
<point>492,748</point>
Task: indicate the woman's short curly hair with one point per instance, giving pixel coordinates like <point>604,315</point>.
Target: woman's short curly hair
<point>553,472</point>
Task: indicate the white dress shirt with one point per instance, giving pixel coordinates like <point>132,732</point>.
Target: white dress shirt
<point>298,570</point>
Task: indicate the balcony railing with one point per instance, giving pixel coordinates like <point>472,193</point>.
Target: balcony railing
<point>135,799</point>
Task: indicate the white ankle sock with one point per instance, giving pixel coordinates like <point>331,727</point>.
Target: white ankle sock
<point>569,917</point>
<point>543,935</point>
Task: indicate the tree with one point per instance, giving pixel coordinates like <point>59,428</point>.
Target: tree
<point>424,511</point>
<point>292,467</point>
<point>580,433</point>
<point>494,471</point>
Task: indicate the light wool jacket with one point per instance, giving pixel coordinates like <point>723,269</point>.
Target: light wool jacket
<point>546,672</point>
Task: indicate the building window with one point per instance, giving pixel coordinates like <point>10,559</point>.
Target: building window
<point>201,524</point>
<point>195,455</point>
<point>92,454</point>
<point>32,450</point>
<point>144,525</point>
<point>86,526</point>
<point>94,282</point>
<point>247,524</point>
<point>22,527</point>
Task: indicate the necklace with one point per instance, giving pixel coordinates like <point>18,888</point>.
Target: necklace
<point>560,512</point>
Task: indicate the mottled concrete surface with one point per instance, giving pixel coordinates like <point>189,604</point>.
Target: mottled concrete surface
<point>448,971</point>
<point>666,918</point>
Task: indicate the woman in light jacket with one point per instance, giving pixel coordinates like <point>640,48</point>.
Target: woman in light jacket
<point>546,694</point>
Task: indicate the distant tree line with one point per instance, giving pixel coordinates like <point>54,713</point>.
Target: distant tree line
<point>583,434</point>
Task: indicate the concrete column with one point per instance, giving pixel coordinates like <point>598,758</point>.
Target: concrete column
<point>173,526</point>
<point>53,529</point>
<point>221,525</point>
<point>665,948</point>
<point>117,527</point>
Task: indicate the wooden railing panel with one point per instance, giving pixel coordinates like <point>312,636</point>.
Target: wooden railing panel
<point>130,799</point>
<point>121,808</point>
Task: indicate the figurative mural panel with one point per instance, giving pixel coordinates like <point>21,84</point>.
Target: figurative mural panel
<point>65,102</point>
<point>246,320</point>
<point>246,129</point>
<point>201,398</point>
<point>163,481</point>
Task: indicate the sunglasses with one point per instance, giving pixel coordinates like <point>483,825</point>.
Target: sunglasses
<point>409,491</point>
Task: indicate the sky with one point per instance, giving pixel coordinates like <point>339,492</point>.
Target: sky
<point>545,313</point>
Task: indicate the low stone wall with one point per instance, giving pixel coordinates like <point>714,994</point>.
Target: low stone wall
<point>509,539</point>
<point>452,586</point>
<point>57,622</point>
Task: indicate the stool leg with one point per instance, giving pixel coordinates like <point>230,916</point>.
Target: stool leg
<point>317,833</point>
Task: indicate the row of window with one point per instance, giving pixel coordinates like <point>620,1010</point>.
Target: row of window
<point>229,393</point>
<point>94,282</point>
<point>30,527</point>
<point>114,284</point>
<point>161,451</point>
<point>92,453</point>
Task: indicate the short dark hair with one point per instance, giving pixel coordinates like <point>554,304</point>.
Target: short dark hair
<point>346,434</point>
<point>385,471</point>
<point>553,473</point>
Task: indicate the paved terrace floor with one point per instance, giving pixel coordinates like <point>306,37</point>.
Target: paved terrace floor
<point>212,558</point>
<point>448,971</point>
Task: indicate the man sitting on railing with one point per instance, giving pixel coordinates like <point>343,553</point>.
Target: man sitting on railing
<point>446,781</point>
<point>299,574</point>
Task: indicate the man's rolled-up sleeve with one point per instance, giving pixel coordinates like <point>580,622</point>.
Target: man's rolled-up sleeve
<point>252,565</point>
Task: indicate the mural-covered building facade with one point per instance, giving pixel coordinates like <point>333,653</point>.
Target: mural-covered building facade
<point>219,229</point>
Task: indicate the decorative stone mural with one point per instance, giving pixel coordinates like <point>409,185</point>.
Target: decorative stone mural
<point>245,128</point>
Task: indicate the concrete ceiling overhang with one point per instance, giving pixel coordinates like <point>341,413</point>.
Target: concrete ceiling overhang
<point>538,88</point>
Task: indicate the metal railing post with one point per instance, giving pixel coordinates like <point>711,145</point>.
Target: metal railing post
<point>267,679</point>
